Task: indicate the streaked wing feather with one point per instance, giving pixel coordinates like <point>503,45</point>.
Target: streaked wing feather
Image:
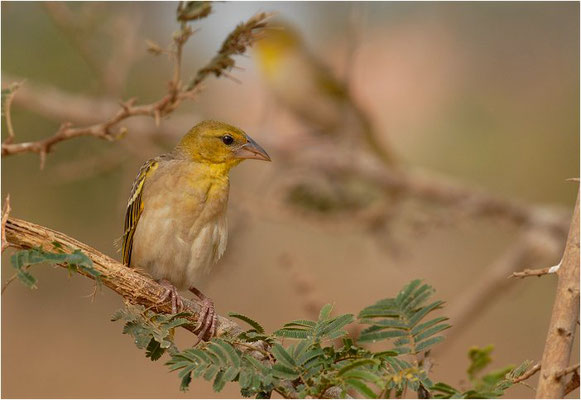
<point>135,208</point>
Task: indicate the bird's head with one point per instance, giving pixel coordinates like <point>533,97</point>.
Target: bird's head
<point>278,43</point>
<point>213,142</point>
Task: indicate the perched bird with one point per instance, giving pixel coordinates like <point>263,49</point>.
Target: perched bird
<point>303,84</point>
<point>175,223</point>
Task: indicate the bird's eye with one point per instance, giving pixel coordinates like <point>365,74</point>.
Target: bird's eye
<point>227,139</point>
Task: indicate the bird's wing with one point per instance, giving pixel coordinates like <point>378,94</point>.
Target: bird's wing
<point>135,208</point>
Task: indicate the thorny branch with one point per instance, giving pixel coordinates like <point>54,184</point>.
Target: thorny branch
<point>236,43</point>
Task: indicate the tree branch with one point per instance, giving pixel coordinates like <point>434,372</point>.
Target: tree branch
<point>236,43</point>
<point>563,319</point>
<point>127,282</point>
<point>532,272</point>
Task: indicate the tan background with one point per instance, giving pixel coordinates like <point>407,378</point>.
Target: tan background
<point>485,92</point>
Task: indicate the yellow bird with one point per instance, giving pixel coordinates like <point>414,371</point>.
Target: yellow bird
<point>175,223</point>
<point>303,84</point>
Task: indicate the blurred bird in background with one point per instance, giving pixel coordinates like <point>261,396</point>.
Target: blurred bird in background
<point>175,223</point>
<point>303,84</point>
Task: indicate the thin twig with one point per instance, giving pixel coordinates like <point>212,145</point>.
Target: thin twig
<point>7,111</point>
<point>532,272</point>
<point>8,282</point>
<point>535,368</point>
<point>573,383</point>
<point>566,371</point>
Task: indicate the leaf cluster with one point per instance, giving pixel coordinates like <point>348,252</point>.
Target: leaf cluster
<point>323,356</point>
<point>76,261</point>
<point>491,385</point>
<point>151,331</point>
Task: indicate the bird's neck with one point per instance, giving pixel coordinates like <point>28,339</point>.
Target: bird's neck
<point>217,170</point>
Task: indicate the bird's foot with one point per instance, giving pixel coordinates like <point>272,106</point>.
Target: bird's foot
<point>206,328</point>
<point>172,294</point>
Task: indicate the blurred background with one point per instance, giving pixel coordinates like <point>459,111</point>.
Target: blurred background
<point>483,94</point>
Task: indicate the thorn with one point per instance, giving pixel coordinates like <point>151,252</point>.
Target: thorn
<point>157,117</point>
<point>128,104</point>
<point>227,75</point>
<point>42,156</point>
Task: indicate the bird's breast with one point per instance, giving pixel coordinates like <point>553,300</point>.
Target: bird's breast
<point>183,230</point>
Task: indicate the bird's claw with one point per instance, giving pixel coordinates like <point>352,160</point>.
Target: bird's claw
<point>172,294</point>
<point>206,327</point>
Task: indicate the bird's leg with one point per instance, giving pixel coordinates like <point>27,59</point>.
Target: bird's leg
<point>207,319</point>
<point>172,293</point>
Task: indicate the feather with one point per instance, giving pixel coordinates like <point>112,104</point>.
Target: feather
<point>135,208</point>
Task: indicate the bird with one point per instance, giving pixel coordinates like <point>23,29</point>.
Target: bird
<point>302,83</point>
<point>175,222</point>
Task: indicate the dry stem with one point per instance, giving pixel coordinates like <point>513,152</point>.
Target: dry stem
<point>531,272</point>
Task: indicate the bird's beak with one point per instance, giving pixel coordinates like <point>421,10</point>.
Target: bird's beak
<point>251,150</point>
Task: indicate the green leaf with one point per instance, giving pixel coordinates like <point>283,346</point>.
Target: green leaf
<point>310,355</point>
<point>282,356</point>
<point>430,332</point>
<point>375,336</point>
<point>356,364</point>
<point>255,325</point>
<point>362,374</point>
<point>185,383</point>
<point>219,382</point>
<point>427,343</point>
<point>425,325</point>
<point>405,293</point>
<point>292,333</point>
<point>325,312</point>
<point>256,364</point>
<point>26,278</point>
<point>335,324</point>
<point>230,352</point>
<point>23,259</point>
<point>300,323</point>
<point>423,312</point>
<point>361,388</point>
<point>282,371</point>
<point>479,359</point>
<point>154,350</point>
<point>444,388</point>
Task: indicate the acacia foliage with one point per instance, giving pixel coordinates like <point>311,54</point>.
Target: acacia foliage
<point>306,358</point>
